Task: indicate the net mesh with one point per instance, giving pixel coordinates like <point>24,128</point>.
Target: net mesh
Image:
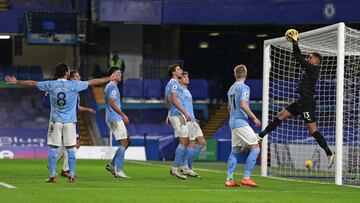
<point>291,144</point>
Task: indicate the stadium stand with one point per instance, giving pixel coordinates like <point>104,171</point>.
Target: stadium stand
<point>152,89</point>
<point>133,89</point>
<point>199,89</point>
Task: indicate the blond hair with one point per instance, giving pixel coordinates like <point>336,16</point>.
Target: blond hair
<point>240,71</point>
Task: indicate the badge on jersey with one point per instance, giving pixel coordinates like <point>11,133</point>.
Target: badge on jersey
<point>113,94</point>
<point>174,87</point>
<point>246,95</point>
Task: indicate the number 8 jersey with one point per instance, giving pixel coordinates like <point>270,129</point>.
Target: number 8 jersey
<point>63,98</point>
<point>238,92</point>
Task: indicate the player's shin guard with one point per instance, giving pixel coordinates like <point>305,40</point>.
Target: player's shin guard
<point>250,162</point>
<point>179,155</point>
<point>120,154</point>
<point>189,157</point>
<point>52,160</point>
<point>322,142</point>
<point>72,161</point>
<point>232,161</point>
<point>272,126</point>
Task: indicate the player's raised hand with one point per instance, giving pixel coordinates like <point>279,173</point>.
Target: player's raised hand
<point>11,80</point>
<point>257,122</point>
<point>115,75</point>
<point>292,35</point>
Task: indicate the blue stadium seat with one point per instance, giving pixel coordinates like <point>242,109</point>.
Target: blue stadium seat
<point>152,89</point>
<point>36,72</point>
<point>133,88</point>
<point>199,89</point>
<point>164,82</point>
<point>255,86</point>
<point>10,70</point>
<point>23,72</point>
<point>2,72</point>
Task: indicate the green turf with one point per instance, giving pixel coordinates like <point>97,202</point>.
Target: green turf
<point>151,182</point>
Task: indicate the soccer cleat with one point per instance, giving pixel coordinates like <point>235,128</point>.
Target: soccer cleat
<point>111,169</point>
<point>189,172</point>
<point>120,174</point>
<point>176,172</point>
<point>51,180</point>
<point>71,180</point>
<point>331,160</point>
<point>65,173</point>
<point>231,183</point>
<point>248,182</point>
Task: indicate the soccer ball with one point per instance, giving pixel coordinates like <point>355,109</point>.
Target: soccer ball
<point>289,32</point>
<point>308,164</point>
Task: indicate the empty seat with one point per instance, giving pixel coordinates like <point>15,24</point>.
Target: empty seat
<point>152,89</point>
<point>10,70</point>
<point>133,88</point>
<point>255,86</point>
<point>36,72</point>
<point>199,89</point>
<point>23,72</point>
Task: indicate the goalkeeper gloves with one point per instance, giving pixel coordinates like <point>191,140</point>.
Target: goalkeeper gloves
<point>292,35</point>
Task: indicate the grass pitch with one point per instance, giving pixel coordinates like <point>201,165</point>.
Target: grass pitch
<point>151,182</point>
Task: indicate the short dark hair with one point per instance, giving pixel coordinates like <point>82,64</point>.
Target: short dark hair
<point>73,72</point>
<point>171,69</point>
<point>317,55</point>
<point>112,70</point>
<point>185,73</point>
<point>60,70</point>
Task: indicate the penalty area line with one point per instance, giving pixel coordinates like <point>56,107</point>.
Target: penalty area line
<point>7,185</point>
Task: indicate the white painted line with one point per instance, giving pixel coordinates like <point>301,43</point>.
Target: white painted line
<point>224,172</point>
<point>7,185</point>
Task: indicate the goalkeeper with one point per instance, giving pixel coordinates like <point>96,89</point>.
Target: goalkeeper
<point>306,104</point>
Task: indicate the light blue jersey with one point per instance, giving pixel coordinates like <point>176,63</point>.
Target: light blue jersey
<point>174,86</point>
<point>63,98</point>
<point>189,104</point>
<point>112,92</point>
<point>238,92</point>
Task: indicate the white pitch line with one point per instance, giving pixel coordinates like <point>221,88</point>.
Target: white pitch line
<point>7,185</point>
<point>272,177</point>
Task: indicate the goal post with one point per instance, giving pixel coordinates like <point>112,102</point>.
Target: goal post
<point>285,150</point>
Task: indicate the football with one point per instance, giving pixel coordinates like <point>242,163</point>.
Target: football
<point>290,32</point>
<point>308,164</point>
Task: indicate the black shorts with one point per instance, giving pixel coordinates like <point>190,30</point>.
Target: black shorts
<point>304,107</point>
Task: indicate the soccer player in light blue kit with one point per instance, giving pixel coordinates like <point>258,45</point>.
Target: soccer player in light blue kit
<point>241,133</point>
<point>63,101</point>
<point>194,131</point>
<point>174,101</point>
<point>116,120</point>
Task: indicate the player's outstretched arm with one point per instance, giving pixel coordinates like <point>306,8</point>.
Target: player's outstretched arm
<point>245,107</point>
<point>14,81</point>
<point>100,81</point>
<point>90,110</point>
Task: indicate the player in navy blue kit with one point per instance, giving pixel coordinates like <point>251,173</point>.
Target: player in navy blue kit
<point>306,104</point>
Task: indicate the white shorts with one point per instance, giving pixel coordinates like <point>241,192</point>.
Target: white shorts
<point>243,136</point>
<point>179,125</point>
<point>118,129</point>
<point>61,133</point>
<point>194,130</point>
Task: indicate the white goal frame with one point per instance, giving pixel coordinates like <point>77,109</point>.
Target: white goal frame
<point>340,28</point>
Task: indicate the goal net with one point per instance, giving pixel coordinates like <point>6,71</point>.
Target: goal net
<point>287,148</point>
